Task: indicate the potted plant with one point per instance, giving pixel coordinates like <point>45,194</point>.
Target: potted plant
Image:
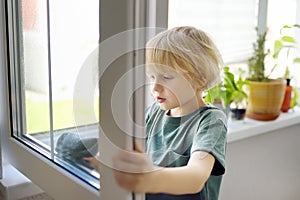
<point>265,95</point>
<point>282,55</point>
<point>237,95</point>
<point>229,95</point>
<point>283,46</point>
<point>217,97</point>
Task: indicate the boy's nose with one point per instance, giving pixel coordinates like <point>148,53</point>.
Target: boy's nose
<point>157,87</point>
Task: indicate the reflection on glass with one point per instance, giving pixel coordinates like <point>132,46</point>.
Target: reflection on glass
<point>74,34</point>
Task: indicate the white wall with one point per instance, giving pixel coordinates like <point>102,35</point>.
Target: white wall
<point>264,167</point>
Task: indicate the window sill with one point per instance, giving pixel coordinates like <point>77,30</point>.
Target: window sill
<point>15,185</point>
<point>239,130</point>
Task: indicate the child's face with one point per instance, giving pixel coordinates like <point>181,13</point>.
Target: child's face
<point>171,90</point>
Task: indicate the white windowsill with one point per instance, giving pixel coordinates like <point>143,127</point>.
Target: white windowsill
<point>15,185</point>
<point>246,128</point>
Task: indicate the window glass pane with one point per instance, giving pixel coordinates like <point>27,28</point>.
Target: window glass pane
<point>35,65</point>
<point>230,23</point>
<point>282,13</point>
<point>58,112</point>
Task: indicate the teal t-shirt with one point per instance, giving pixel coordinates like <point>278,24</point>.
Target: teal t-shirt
<point>171,141</point>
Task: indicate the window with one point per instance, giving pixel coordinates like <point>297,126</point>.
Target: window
<point>56,53</point>
<point>51,113</point>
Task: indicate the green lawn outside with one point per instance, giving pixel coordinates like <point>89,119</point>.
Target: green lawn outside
<point>37,115</point>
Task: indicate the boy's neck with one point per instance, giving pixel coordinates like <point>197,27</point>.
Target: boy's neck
<point>188,108</point>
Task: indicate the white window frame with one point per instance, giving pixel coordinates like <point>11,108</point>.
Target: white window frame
<point>116,16</point>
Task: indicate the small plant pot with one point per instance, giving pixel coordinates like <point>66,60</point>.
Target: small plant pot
<point>265,99</point>
<point>237,113</point>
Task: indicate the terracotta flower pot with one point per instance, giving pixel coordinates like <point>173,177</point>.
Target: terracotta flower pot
<point>265,99</point>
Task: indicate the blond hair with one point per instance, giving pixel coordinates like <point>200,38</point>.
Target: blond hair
<point>190,52</point>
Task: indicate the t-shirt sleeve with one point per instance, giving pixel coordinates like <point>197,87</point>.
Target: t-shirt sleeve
<point>211,137</point>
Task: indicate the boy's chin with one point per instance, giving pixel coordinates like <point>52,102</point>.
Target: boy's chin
<point>163,107</point>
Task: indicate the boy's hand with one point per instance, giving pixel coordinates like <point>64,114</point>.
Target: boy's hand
<point>94,162</point>
<point>133,170</point>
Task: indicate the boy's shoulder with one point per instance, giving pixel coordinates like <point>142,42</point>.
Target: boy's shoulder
<point>213,110</point>
<point>213,113</point>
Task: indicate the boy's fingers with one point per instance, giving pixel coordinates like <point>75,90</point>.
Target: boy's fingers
<point>138,147</point>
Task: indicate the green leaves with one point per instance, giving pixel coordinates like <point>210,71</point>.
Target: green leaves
<point>289,26</point>
<point>278,46</point>
<point>212,94</point>
<point>287,43</point>
<point>294,100</point>
<point>229,90</point>
<point>283,42</point>
<point>296,60</point>
<point>256,63</point>
<point>288,39</point>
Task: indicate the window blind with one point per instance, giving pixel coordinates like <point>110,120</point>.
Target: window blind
<point>230,23</point>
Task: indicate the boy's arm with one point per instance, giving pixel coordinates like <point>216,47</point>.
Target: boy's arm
<point>187,179</point>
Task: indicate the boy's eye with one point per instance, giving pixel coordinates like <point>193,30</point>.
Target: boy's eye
<point>167,77</point>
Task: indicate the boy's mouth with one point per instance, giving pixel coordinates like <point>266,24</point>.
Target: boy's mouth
<point>160,99</point>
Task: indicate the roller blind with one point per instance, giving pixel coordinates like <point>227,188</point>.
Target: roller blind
<point>230,23</point>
